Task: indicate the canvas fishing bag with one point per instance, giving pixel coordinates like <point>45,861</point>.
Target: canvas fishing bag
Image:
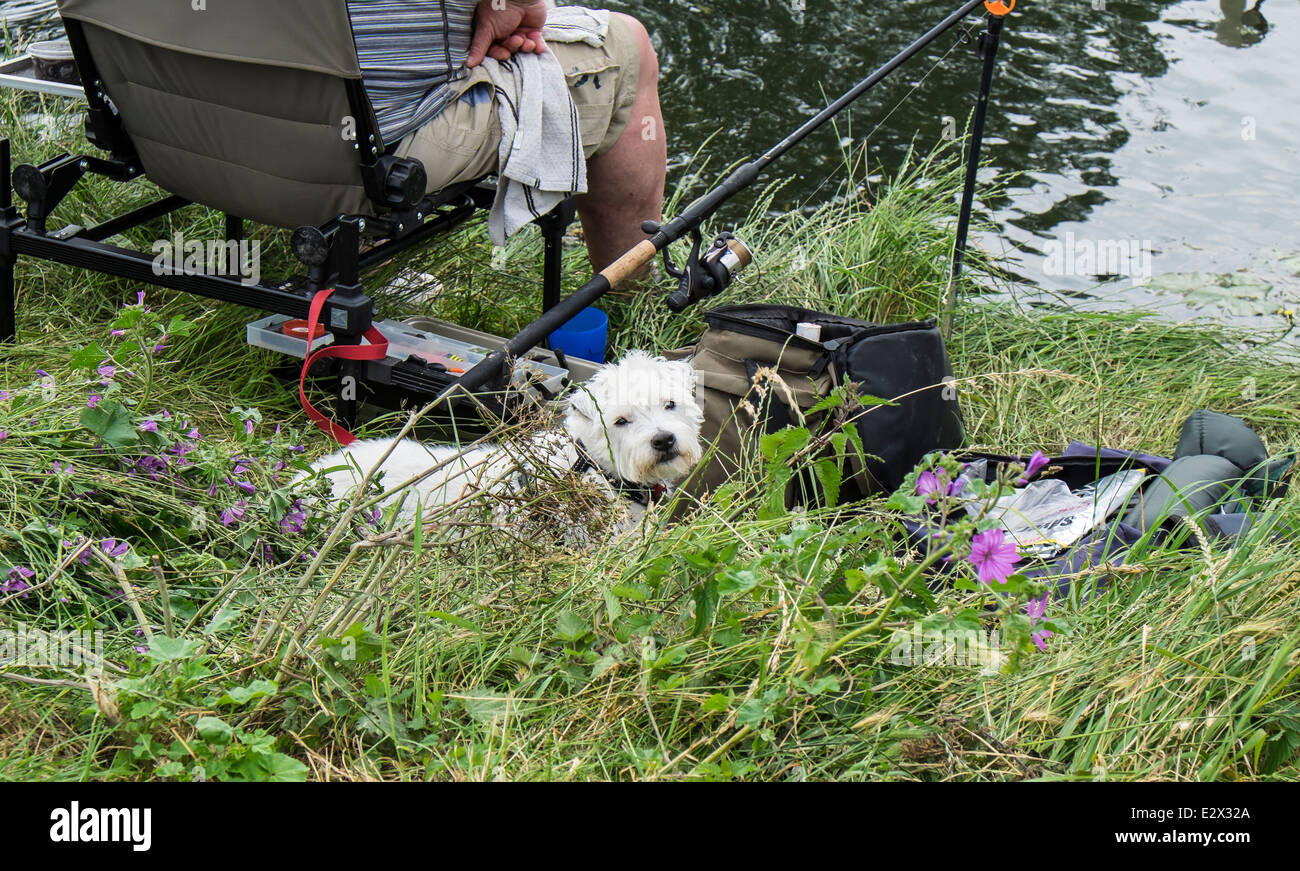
<point>904,363</point>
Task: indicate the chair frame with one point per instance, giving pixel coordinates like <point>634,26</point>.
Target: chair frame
<point>332,252</point>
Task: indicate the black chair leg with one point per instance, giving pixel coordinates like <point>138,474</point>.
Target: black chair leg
<point>553,225</point>
<point>8,315</point>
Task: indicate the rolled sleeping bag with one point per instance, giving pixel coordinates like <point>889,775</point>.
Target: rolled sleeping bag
<point>1222,435</point>
<point>1188,486</point>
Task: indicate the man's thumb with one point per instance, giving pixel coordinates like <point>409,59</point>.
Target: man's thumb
<point>478,46</point>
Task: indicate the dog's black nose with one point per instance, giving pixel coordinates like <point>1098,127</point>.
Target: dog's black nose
<point>663,442</point>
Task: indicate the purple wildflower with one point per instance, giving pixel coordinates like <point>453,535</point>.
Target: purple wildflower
<point>248,427</point>
<point>17,581</point>
<point>231,516</point>
<point>117,334</point>
<point>927,484</point>
<point>992,555</point>
<point>931,484</point>
<point>1036,464</point>
<point>4,395</point>
<point>106,371</point>
<point>43,373</point>
<point>93,400</point>
<point>149,426</point>
<point>139,297</point>
<point>113,547</point>
<point>242,485</point>
<point>294,519</point>
<point>1036,609</point>
<point>3,435</point>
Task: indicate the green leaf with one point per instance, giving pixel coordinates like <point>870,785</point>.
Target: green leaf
<point>221,621</point>
<point>829,476</point>
<point>88,357</point>
<point>571,627</point>
<point>214,730</point>
<point>245,694</point>
<point>715,704</point>
<point>635,592</point>
<point>111,422</point>
<point>164,649</point>
<point>752,713</point>
<point>280,768</point>
<point>737,581</point>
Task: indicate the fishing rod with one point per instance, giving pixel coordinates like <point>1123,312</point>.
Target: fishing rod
<point>706,274</point>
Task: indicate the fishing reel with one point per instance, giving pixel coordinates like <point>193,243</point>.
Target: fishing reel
<point>707,274</point>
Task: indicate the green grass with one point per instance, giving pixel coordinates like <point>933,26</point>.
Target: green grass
<point>482,657</point>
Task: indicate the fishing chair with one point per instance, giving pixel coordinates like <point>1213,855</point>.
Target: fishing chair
<point>255,109</point>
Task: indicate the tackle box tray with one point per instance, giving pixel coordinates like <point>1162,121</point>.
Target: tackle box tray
<point>425,355</point>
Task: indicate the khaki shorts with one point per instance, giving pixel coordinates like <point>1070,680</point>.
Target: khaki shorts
<point>461,143</point>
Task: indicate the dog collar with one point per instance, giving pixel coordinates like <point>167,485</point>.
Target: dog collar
<point>638,493</point>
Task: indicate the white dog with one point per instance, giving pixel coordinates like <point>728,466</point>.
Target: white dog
<point>633,428</point>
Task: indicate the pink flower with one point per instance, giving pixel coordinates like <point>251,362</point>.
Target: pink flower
<point>930,484</point>
<point>106,371</point>
<point>17,581</point>
<point>992,555</point>
<point>117,334</point>
<point>113,547</point>
<point>1036,463</point>
<point>231,516</point>
<point>93,400</point>
<point>1036,609</point>
<point>3,435</point>
<point>149,426</point>
<point>927,484</point>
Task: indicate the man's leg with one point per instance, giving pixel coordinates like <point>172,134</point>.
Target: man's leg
<point>625,185</point>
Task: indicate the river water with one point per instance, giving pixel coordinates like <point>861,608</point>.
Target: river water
<point>1171,129</point>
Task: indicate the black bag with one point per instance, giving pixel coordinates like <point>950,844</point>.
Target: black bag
<point>905,364</point>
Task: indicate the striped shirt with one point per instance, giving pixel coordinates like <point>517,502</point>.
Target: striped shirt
<point>410,52</point>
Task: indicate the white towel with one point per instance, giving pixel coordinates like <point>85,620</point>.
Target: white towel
<point>541,160</point>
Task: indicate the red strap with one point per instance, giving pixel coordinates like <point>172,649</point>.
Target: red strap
<point>376,350</point>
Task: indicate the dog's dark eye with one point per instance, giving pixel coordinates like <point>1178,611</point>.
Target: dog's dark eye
<point>670,405</point>
<point>622,421</point>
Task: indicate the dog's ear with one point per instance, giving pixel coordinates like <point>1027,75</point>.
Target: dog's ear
<point>581,403</point>
<point>686,370</point>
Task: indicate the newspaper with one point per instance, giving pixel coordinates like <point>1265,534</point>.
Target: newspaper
<point>1046,516</point>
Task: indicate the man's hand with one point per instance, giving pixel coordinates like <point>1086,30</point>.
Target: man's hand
<point>505,27</point>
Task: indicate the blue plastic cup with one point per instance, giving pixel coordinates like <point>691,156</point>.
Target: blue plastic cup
<point>583,336</point>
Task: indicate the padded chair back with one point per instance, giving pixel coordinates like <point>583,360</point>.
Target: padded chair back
<point>241,106</point>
